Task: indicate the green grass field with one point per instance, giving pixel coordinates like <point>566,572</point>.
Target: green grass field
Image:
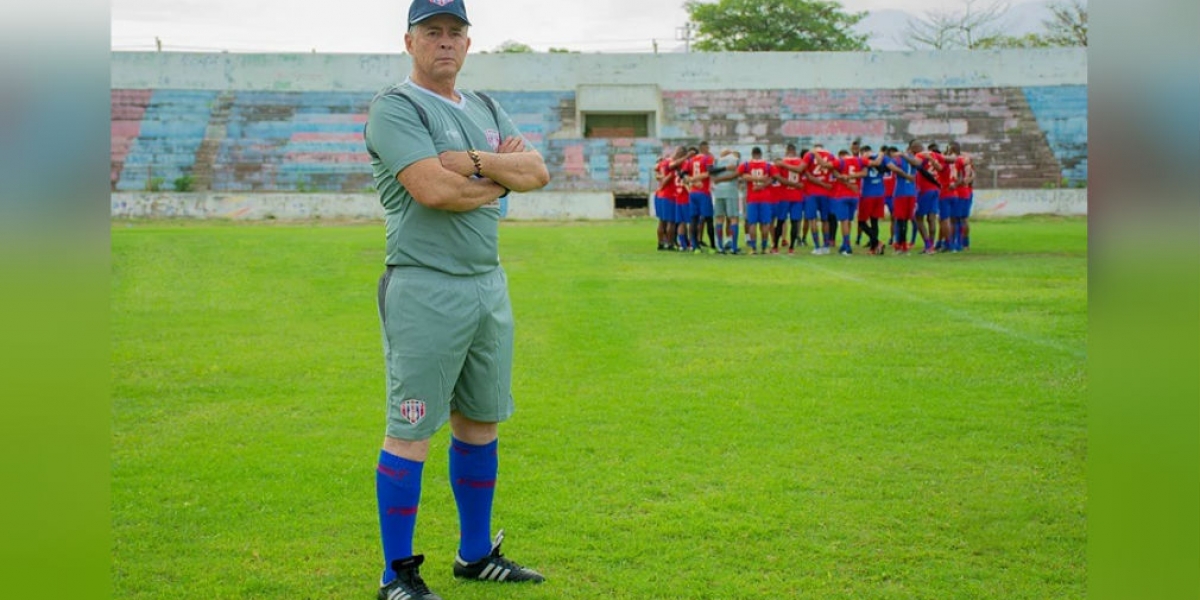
<point>687,426</point>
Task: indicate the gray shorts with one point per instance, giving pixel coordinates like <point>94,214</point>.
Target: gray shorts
<point>448,346</point>
<point>726,207</point>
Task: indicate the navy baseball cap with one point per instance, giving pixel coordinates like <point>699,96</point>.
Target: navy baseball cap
<point>420,10</point>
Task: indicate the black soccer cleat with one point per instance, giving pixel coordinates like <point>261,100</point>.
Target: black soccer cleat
<point>408,584</point>
<point>494,567</point>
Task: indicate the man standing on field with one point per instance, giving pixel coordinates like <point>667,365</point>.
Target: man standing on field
<point>442,158</point>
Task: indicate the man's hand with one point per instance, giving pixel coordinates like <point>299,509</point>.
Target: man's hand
<point>512,144</point>
<point>457,162</point>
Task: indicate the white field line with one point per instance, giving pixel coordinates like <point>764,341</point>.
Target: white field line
<point>966,316</point>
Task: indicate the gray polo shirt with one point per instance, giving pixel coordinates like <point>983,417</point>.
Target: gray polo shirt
<point>457,243</point>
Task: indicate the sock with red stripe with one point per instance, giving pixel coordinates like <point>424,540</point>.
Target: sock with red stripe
<point>473,479</point>
<point>398,490</point>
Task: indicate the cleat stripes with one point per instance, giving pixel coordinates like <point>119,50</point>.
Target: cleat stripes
<point>494,572</point>
<point>495,567</point>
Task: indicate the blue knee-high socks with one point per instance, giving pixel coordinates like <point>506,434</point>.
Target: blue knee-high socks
<point>473,479</point>
<point>398,491</point>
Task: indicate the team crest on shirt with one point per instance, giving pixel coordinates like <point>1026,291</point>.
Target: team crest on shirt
<point>413,410</point>
<point>493,138</point>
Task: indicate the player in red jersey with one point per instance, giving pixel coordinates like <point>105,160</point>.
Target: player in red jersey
<point>945,177</point>
<point>808,202</point>
<point>928,193</point>
<point>966,193</point>
<point>758,175</point>
<point>790,168</point>
<point>845,194</point>
<point>664,197</point>
<point>778,212</point>
<point>697,167</point>
<point>683,209</point>
<point>818,176</point>
<point>961,190</point>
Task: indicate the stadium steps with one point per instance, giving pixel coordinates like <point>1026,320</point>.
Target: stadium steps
<point>206,155</point>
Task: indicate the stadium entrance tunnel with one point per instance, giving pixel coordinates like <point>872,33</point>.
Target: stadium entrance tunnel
<point>631,205</point>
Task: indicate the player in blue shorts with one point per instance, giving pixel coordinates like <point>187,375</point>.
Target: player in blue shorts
<point>819,178</point>
<point>664,197</point>
<point>698,168</point>
<point>758,175</point>
<point>928,193</point>
<point>962,179</point>
<point>791,168</point>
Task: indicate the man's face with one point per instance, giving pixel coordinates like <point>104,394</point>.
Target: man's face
<point>438,46</point>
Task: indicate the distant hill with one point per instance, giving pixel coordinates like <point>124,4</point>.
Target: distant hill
<point>886,28</point>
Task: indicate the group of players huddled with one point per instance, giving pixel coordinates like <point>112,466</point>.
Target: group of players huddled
<point>819,193</point>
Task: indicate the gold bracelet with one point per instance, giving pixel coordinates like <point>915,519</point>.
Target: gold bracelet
<point>474,154</point>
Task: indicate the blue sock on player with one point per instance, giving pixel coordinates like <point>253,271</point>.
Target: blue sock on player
<point>398,491</point>
<point>846,242</point>
<point>473,479</point>
<point>733,231</point>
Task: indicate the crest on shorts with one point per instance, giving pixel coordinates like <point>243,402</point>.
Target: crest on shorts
<point>441,2</point>
<point>413,410</point>
<point>493,138</point>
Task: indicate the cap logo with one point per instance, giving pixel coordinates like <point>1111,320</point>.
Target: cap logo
<point>440,2</point>
<point>412,410</point>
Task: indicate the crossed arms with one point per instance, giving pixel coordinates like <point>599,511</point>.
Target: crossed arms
<point>447,182</point>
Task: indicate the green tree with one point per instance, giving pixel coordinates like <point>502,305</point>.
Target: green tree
<point>775,25</point>
<point>513,47</point>
<point>1003,42</point>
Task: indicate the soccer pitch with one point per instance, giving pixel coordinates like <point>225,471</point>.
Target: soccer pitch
<point>687,426</point>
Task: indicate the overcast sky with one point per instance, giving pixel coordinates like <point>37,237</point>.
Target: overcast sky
<point>377,26</point>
